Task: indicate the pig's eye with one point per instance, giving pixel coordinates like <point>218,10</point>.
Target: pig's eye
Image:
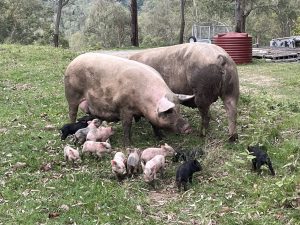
<point>166,113</point>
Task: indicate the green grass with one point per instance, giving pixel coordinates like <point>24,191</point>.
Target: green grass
<point>225,192</point>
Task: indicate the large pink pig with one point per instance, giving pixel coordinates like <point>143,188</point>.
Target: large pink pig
<point>202,69</point>
<point>120,89</point>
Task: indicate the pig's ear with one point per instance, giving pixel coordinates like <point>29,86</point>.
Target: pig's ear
<point>183,98</point>
<point>164,105</point>
<point>89,122</point>
<point>113,162</point>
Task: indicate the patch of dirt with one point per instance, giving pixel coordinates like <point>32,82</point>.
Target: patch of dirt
<point>257,80</point>
<point>161,197</point>
<point>18,86</point>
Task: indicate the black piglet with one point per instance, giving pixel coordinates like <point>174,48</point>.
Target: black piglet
<point>71,128</point>
<point>185,173</point>
<point>261,158</point>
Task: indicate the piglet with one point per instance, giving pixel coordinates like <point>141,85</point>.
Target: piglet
<point>149,153</point>
<point>133,161</point>
<point>100,134</point>
<point>118,165</point>
<point>185,172</point>
<point>157,163</point>
<point>261,158</point>
<point>71,154</point>
<point>97,148</point>
<point>80,135</point>
<point>71,128</point>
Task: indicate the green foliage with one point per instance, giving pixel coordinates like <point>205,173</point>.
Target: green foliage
<point>108,25</point>
<point>296,30</point>
<point>24,21</point>
<point>160,21</point>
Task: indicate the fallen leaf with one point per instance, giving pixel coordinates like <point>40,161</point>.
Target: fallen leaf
<point>49,127</point>
<point>3,130</point>
<point>224,210</point>
<point>64,207</point>
<point>19,165</point>
<point>44,115</point>
<point>53,214</point>
<point>26,192</point>
<point>139,208</point>
<point>46,167</point>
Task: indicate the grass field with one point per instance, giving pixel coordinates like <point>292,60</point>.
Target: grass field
<point>38,187</point>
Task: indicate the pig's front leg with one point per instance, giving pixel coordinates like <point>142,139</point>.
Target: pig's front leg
<point>126,123</point>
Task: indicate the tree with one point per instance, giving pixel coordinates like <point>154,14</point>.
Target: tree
<point>23,21</point>
<point>286,12</point>
<point>239,16</point>
<point>243,8</point>
<point>159,23</point>
<point>134,24</point>
<point>182,25</point>
<point>60,5</point>
<point>108,25</point>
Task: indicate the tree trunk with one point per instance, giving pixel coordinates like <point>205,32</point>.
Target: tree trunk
<point>61,4</point>
<point>134,24</point>
<point>244,15</point>
<point>182,3</point>
<point>238,16</point>
<point>57,22</point>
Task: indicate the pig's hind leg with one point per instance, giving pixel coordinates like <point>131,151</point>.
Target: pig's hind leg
<point>270,166</point>
<point>74,98</point>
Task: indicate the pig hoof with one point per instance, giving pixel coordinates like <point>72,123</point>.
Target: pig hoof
<point>233,138</point>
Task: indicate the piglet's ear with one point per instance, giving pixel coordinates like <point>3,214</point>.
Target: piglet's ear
<point>89,122</point>
<point>113,162</point>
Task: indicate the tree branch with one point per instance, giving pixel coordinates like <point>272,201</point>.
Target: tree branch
<point>65,3</point>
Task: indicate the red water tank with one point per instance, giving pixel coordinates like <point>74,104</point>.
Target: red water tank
<point>237,45</point>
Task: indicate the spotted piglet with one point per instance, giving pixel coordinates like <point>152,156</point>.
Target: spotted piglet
<point>118,165</point>
<point>133,161</point>
<point>80,135</point>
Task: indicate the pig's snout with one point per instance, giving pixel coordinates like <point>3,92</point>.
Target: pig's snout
<point>186,129</point>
